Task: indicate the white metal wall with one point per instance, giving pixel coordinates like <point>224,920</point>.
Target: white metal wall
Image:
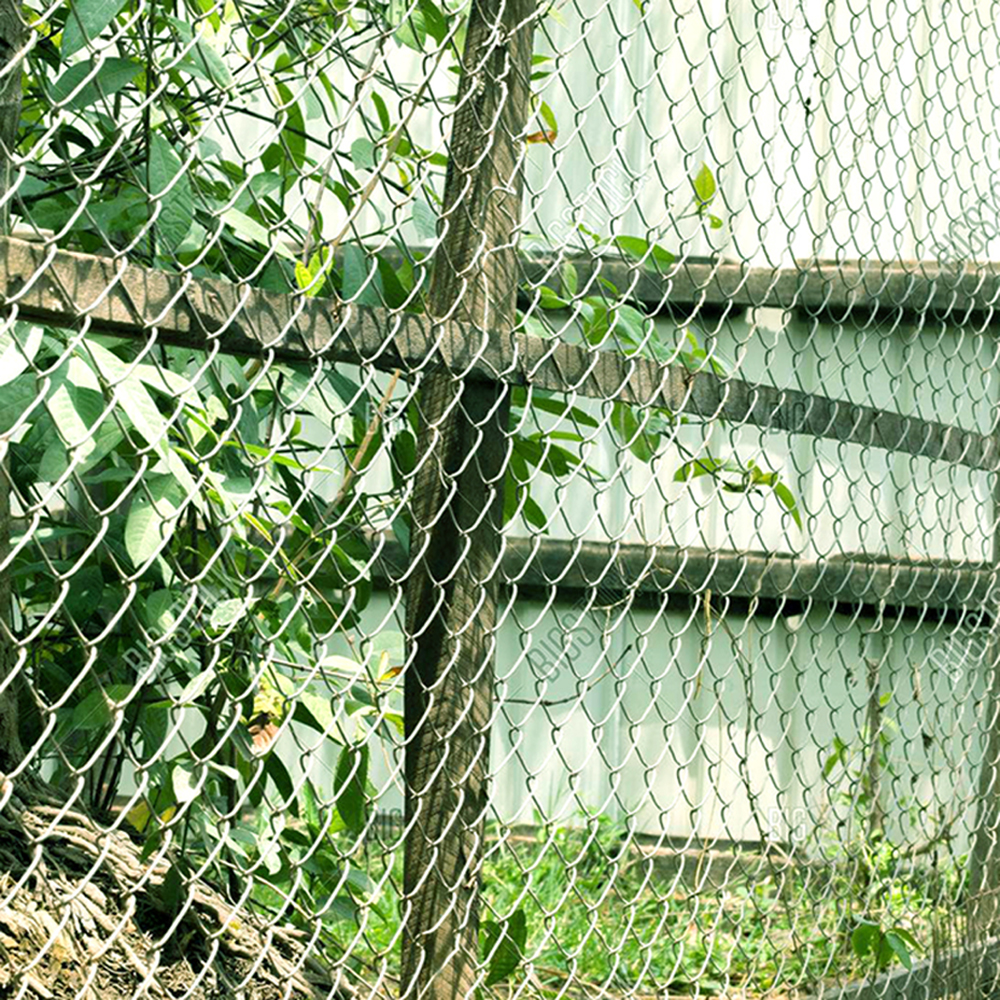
<point>827,128</point>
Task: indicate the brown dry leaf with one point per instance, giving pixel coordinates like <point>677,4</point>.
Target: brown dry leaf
<point>263,731</point>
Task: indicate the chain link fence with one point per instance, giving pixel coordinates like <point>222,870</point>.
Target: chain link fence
<point>498,499</point>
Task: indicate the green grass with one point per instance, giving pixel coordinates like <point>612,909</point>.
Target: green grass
<point>600,919</point>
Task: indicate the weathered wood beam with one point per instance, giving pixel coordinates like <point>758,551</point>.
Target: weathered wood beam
<point>941,975</point>
<point>964,588</point>
<point>60,287</point>
<point>814,286</point>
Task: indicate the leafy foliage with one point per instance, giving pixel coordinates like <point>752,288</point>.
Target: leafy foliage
<point>200,550</point>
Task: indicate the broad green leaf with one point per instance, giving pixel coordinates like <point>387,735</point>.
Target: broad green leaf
<point>425,220</point>
<point>205,63</point>
<point>104,79</point>
<point>349,786</point>
<point>186,779</point>
<point>570,278</point>
<point>152,518</point>
<point>549,299</point>
<point>139,407</point>
<point>169,180</point>
<point>76,402</point>
<point>357,286</point>
<point>363,154</point>
<point>227,612</point>
<point>160,612</point>
<point>18,346</point>
<point>864,938</point>
<point>435,20</point>
<point>704,187</point>
<point>84,597</point>
<point>632,434</point>
<point>85,20</point>
<point>15,401</point>
<point>56,460</point>
<point>303,278</point>
<point>643,250</point>
<point>899,947</point>
<point>197,686</point>
<point>787,500</point>
<point>253,232</point>
<point>503,946</point>
<point>293,134</point>
<point>95,711</point>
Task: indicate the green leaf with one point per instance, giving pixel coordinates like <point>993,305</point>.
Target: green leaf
<point>293,134</point>
<point>787,500</point>
<point>570,279</point>
<point>95,711</point>
<point>76,405</point>
<point>899,948</point>
<point>197,686</point>
<point>556,406</point>
<point>225,613</point>
<point>349,786</point>
<point>84,597</point>
<point>16,399</point>
<point>651,254</point>
<point>425,220</point>
<point>104,79</point>
<point>548,117</point>
<point>202,59</point>
<point>168,179</point>
<point>253,232</point>
<point>632,434</point>
<point>550,300</point>
<point>837,757</point>
<point>435,21</point>
<point>907,937</point>
<point>19,344</point>
<point>382,111</point>
<point>140,408</point>
<point>363,154</point>
<point>85,20</point>
<point>864,939</point>
<point>152,518</point>
<point>185,780</point>
<point>356,285</point>
<point>704,187</point>
<point>159,611</point>
<point>503,945</point>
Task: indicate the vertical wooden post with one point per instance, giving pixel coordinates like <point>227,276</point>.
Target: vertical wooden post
<point>457,514</point>
<point>984,858</point>
<point>12,38</point>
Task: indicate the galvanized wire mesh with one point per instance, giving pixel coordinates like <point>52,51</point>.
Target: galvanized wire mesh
<point>498,500</point>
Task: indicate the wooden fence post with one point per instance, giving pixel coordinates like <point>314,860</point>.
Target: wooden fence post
<point>457,515</point>
<point>984,857</point>
<point>13,34</point>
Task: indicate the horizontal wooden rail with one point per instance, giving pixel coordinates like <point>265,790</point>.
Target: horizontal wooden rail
<point>587,566</point>
<point>974,969</point>
<point>818,287</point>
<point>63,288</point>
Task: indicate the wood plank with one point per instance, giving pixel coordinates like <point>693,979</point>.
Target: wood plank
<point>61,287</point>
<point>941,975</point>
<point>571,567</point>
